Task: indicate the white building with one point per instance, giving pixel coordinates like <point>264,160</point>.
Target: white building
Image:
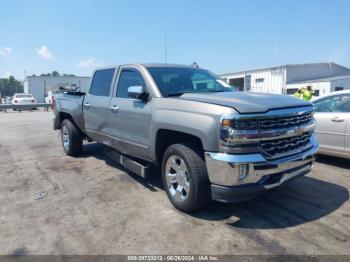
<point>41,86</point>
<point>322,86</point>
<point>286,79</point>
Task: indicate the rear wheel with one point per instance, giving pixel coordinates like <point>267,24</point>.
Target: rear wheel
<point>72,139</point>
<point>185,177</point>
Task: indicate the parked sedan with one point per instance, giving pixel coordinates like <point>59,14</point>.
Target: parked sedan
<point>23,99</point>
<point>332,114</point>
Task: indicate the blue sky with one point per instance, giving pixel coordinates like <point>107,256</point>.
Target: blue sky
<point>224,36</point>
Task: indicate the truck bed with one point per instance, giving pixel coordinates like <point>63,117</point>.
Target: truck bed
<point>72,104</point>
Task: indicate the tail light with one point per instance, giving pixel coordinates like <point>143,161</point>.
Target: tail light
<point>33,101</point>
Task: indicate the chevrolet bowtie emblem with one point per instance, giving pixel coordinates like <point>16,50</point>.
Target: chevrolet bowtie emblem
<point>300,131</point>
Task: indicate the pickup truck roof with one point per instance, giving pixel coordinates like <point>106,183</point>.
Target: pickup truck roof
<point>147,65</point>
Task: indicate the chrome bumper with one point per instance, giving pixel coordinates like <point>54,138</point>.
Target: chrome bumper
<point>224,169</point>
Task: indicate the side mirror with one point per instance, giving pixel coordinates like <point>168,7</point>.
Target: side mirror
<point>137,92</point>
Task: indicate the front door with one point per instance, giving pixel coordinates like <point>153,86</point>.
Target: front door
<point>331,114</point>
<point>129,118</point>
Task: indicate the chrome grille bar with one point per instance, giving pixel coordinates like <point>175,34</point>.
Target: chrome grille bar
<point>285,145</point>
<point>285,121</point>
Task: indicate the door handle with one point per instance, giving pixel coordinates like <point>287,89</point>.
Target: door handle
<point>114,108</point>
<point>87,105</point>
<point>337,119</point>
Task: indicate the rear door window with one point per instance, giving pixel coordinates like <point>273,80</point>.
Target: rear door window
<point>101,82</point>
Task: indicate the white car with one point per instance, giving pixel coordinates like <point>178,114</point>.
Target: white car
<point>23,99</point>
<point>332,114</point>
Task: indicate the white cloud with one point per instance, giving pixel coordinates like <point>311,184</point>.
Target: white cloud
<point>89,62</point>
<point>5,51</point>
<point>45,53</point>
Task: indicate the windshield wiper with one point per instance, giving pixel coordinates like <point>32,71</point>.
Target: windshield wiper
<point>178,94</point>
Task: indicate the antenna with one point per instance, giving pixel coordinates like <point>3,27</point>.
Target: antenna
<point>166,62</point>
<point>166,48</point>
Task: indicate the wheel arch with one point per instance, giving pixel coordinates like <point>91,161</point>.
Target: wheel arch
<point>166,137</point>
<point>64,115</point>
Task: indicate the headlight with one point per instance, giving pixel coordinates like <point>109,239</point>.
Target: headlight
<point>241,124</point>
<point>239,129</point>
<point>239,135</point>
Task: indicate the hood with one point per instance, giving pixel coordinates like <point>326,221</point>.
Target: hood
<point>247,102</point>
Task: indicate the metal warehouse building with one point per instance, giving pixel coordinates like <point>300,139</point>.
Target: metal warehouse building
<point>322,86</point>
<point>286,79</point>
<point>42,86</point>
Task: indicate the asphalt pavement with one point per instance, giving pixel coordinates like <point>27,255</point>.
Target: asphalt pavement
<point>54,204</point>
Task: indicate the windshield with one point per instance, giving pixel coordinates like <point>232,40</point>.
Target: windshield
<point>173,81</point>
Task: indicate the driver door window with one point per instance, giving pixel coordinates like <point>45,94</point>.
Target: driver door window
<point>343,105</point>
<point>339,103</point>
<point>127,79</point>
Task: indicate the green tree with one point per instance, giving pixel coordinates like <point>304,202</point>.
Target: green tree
<point>9,86</point>
<point>55,73</point>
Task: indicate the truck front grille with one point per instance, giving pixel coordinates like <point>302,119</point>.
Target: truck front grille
<point>286,146</point>
<point>285,122</point>
<point>276,134</point>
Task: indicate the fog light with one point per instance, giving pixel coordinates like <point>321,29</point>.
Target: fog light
<point>243,170</point>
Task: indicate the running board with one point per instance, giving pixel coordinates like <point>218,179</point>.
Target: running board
<point>129,164</point>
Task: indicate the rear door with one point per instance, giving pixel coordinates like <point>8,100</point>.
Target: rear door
<point>332,116</point>
<point>96,105</point>
<point>129,118</point>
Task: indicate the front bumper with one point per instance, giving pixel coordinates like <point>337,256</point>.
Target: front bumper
<point>260,174</point>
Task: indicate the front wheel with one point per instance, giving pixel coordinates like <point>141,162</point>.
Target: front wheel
<point>185,177</point>
<point>72,140</point>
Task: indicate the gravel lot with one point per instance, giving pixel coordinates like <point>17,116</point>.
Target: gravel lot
<point>93,206</point>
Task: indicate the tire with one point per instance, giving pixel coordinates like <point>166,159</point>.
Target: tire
<point>188,188</point>
<point>72,139</point>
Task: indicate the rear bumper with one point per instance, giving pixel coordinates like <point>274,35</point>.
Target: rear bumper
<point>236,178</point>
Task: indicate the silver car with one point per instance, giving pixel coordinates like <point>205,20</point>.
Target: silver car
<point>332,114</point>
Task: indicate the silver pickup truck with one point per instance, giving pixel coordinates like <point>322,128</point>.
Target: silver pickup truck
<point>211,142</point>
